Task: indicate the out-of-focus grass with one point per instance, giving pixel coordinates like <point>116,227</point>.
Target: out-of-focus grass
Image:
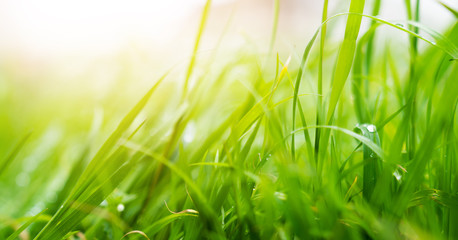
<point>209,151</point>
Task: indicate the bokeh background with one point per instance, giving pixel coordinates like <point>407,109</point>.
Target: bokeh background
<point>67,62</point>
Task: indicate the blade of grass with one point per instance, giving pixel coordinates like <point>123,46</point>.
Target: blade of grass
<point>274,25</point>
<point>372,165</point>
<point>296,88</point>
<point>319,105</point>
<point>453,11</point>
<point>346,55</point>
<point>343,66</point>
<point>203,21</point>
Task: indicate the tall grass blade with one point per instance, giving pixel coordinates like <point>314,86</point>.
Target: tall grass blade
<point>203,21</point>
<point>372,165</point>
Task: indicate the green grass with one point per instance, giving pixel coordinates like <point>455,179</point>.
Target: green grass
<point>231,153</point>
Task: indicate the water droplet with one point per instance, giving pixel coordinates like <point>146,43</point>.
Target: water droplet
<point>120,207</point>
<point>371,128</point>
<point>399,25</point>
<point>280,195</point>
<point>397,175</point>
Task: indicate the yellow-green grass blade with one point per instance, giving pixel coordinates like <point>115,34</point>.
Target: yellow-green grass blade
<point>257,110</point>
<point>297,86</point>
<point>343,67</point>
<point>274,25</point>
<point>450,9</point>
<point>203,21</point>
<point>319,104</point>
<point>345,56</point>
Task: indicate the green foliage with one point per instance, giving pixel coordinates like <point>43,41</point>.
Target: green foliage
<point>221,157</point>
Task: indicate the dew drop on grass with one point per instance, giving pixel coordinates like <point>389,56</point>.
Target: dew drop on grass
<point>397,175</point>
<point>280,195</point>
<point>104,203</point>
<point>120,207</point>
<point>371,128</point>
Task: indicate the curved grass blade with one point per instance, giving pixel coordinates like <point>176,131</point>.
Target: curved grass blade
<point>297,85</point>
<point>440,41</point>
<point>374,147</point>
<point>136,232</point>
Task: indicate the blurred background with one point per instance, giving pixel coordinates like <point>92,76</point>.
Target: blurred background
<point>62,61</point>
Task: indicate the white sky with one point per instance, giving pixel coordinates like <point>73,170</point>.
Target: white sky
<point>56,26</point>
<point>50,28</point>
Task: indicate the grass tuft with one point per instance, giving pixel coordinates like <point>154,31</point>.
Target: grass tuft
<point>235,157</point>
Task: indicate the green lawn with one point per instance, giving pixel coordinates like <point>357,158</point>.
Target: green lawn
<point>354,139</point>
